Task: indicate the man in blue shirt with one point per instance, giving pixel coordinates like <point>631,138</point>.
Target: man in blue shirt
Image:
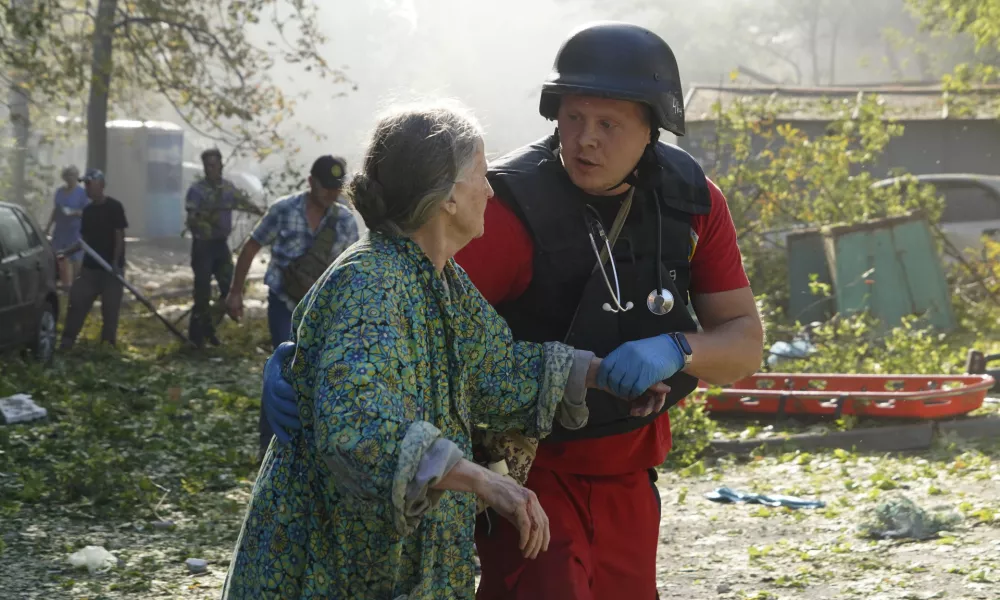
<point>306,232</point>
<point>210,203</point>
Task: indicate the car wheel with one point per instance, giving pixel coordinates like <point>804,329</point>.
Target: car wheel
<point>44,345</point>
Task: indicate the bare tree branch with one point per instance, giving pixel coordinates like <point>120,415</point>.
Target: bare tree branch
<point>152,70</point>
<point>201,36</point>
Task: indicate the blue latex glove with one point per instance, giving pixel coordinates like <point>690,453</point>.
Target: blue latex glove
<point>633,367</point>
<point>277,397</point>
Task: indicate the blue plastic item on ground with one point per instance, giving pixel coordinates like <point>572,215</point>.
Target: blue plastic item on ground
<point>729,496</point>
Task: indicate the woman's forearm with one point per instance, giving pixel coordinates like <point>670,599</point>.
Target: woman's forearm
<point>465,476</point>
<point>572,412</point>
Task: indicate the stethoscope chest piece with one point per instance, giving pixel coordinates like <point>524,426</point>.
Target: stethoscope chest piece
<point>660,302</point>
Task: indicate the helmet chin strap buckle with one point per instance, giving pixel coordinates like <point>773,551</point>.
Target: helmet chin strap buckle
<point>646,174</point>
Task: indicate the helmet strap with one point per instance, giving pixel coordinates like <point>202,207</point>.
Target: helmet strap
<point>646,173</point>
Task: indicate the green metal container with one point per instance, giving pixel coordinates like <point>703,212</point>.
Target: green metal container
<point>806,262</point>
<point>889,267</point>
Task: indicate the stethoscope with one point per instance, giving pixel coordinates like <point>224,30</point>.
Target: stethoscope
<point>659,301</point>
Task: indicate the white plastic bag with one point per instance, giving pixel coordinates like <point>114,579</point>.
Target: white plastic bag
<point>95,558</point>
<point>20,408</point>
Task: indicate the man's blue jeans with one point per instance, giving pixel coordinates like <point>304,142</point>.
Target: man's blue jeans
<point>279,322</point>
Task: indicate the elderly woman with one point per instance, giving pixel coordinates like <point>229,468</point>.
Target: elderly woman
<point>398,360</point>
<point>67,212</point>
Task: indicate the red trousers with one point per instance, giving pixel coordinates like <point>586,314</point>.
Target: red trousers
<point>604,530</point>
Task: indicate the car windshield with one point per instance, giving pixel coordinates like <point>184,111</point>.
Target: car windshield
<point>968,203</point>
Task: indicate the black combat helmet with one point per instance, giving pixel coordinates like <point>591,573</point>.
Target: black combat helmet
<point>620,61</point>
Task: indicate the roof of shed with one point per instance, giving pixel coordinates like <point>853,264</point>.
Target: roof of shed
<point>902,102</point>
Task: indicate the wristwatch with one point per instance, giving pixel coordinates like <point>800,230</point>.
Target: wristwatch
<point>683,344</point>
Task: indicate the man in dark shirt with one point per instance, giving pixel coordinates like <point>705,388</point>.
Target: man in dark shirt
<point>102,227</point>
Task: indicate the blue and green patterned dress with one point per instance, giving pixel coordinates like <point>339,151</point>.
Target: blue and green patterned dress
<point>391,357</point>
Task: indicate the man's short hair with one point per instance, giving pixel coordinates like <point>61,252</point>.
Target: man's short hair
<point>210,153</point>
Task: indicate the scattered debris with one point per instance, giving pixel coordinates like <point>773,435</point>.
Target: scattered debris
<point>923,595</point>
<point>95,558</point>
<point>121,387</point>
<point>197,566</point>
<point>20,408</point>
<point>900,517</point>
<point>782,351</point>
<point>726,495</point>
<point>890,438</point>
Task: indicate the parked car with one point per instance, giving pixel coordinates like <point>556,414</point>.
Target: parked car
<point>29,304</point>
<point>971,206</point>
<point>971,209</point>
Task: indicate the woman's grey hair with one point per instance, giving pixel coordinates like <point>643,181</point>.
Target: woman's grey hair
<point>415,156</point>
<point>71,169</point>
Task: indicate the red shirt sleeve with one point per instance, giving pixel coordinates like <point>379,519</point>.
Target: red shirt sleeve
<point>500,262</point>
<point>717,265</point>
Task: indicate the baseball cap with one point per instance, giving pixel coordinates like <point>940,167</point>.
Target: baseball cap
<point>92,175</point>
<point>329,171</point>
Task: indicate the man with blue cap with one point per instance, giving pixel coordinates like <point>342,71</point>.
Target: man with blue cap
<point>306,232</point>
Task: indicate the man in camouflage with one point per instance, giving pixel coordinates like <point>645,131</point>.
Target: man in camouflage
<point>210,203</point>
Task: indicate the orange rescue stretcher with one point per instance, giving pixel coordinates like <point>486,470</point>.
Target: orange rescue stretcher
<point>892,396</point>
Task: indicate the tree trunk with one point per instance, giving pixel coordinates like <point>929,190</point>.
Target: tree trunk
<point>20,119</point>
<point>100,84</point>
<point>814,45</point>
<point>834,38</point>
<point>924,63</point>
<point>894,65</point>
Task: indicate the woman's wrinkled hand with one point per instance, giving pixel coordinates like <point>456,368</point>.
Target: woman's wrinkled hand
<point>650,401</point>
<point>520,506</point>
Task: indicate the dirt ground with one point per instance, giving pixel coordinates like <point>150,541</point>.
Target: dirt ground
<point>713,550</point>
<point>162,266</point>
<point>707,550</point>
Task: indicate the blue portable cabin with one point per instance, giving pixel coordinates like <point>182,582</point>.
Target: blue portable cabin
<point>144,173</point>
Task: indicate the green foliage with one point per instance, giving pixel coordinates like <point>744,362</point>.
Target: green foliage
<point>779,179</point>
<point>118,441</point>
<point>857,344</point>
<point>976,284</point>
<point>195,56</point>
<point>978,18</point>
<point>980,21</point>
<point>692,430</point>
<point>900,517</point>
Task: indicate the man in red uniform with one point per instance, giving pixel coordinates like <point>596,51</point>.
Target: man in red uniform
<point>612,87</point>
<point>604,176</point>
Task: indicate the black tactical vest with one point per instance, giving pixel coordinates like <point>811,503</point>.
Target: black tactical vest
<point>535,185</point>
